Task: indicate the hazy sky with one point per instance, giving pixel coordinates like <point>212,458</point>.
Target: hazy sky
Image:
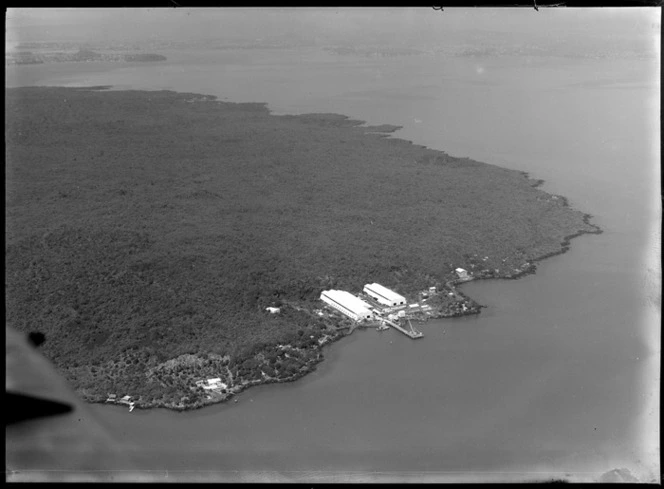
<point>394,26</point>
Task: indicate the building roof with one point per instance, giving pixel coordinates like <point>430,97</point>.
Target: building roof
<point>385,292</point>
<point>348,300</point>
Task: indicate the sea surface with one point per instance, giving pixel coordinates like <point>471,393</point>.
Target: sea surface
<point>557,377</point>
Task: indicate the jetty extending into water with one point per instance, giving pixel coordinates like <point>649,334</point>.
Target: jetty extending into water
<point>410,332</point>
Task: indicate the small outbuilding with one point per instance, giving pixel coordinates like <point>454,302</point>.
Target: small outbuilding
<point>211,384</point>
<point>461,273</point>
<point>125,400</point>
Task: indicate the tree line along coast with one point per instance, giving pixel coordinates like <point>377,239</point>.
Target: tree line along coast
<point>148,233</point>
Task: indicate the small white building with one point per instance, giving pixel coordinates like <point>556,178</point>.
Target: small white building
<point>461,273</point>
<point>211,384</point>
<point>125,400</point>
<point>273,310</point>
<point>346,303</point>
<point>215,384</point>
<point>384,295</point>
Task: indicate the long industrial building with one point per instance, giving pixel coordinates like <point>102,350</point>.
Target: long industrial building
<point>347,304</point>
<point>384,295</point>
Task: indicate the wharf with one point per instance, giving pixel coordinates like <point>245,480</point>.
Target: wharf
<point>411,334</point>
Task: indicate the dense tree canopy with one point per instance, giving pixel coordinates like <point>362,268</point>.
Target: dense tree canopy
<point>143,226</point>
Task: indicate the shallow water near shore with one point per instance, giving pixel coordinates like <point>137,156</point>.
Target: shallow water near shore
<point>518,387</point>
<point>551,378</point>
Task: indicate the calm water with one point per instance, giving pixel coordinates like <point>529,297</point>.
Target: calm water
<point>557,376</point>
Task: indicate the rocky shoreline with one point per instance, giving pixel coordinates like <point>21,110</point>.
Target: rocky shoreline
<point>316,355</point>
<point>312,358</point>
<point>152,304</point>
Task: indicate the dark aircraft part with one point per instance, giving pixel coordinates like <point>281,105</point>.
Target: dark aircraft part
<point>36,338</point>
<point>21,407</point>
<point>51,435</point>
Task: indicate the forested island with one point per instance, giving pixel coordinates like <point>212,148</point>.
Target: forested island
<point>147,233</point>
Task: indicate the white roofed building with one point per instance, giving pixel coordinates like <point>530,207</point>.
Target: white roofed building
<point>462,273</point>
<point>211,384</point>
<point>346,303</point>
<point>384,295</point>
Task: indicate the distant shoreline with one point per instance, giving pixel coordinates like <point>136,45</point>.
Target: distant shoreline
<point>240,180</point>
<point>66,54</point>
